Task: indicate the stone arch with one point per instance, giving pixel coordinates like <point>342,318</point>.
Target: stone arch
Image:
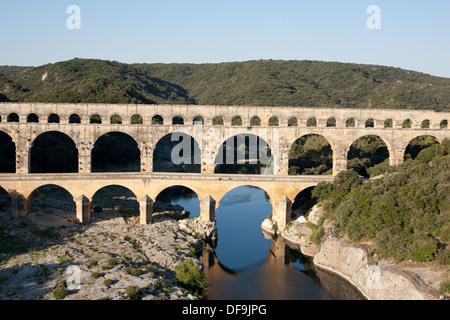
<point>115,201</point>
<point>274,121</point>
<point>417,144</point>
<point>198,118</point>
<point>218,121</point>
<point>237,121</point>
<point>12,117</point>
<point>425,124</point>
<point>331,122</point>
<point>7,153</point>
<point>106,148</point>
<point>178,120</point>
<point>177,152</point>
<point>95,119</point>
<point>370,123</point>
<point>52,205</point>
<point>255,121</point>
<point>32,118</point>
<point>367,151</point>
<point>136,119</point>
<point>311,154</point>
<point>444,124</point>
<point>311,122</point>
<point>240,212</point>
<point>53,152</point>
<point>157,119</point>
<point>303,202</point>
<point>293,122</point>
<point>350,123</point>
<point>172,196</point>
<point>116,119</point>
<point>388,123</point>
<point>54,118</point>
<point>75,118</point>
<point>407,124</point>
<point>244,153</point>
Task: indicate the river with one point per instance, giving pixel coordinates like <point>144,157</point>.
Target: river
<point>249,265</point>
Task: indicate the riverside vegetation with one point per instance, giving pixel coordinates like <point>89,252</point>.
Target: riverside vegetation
<point>402,216</point>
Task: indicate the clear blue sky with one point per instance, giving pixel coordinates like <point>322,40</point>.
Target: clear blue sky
<point>414,34</point>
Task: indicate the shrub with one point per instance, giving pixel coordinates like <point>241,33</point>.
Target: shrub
<point>107,282</point>
<point>444,287</point>
<point>61,290</point>
<point>133,292</point>
<point>424,254</point>
<point>133,271</point>
<point>191,277</point>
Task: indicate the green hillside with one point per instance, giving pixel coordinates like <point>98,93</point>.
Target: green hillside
<point>264,82</point>
<point>89,81</point>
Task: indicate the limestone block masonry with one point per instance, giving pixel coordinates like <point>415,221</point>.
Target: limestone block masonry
<point>210,126</point>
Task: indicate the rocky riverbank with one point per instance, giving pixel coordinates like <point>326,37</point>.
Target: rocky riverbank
<point>376,280</point>
<point>100,260</point>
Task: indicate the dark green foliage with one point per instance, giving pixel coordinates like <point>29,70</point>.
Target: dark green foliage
<point>90,81</point>
<point>191,277</point>
<point>264,82</point>
<point>406,214</point>
<point>311,154</point>
<point>61,290</point>
<point>367,152</point>
<point>133,292</point>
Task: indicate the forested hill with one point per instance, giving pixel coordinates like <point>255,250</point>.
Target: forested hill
<point>264,82</point>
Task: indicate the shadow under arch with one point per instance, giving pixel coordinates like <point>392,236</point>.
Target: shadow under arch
<point>311,154</point>
<point>239,215</point>
<point>244,153</point>
<point>53,152</point>
<point>5,203</point>
<point>7,153</point>
<point>177,152</point>
<point>178,201</point>
<point>303,203</point>
<point>366,152</point>
<point>115,201</point>
<point>419,143</point>
<point>51,206</point>
<point>116,152</point>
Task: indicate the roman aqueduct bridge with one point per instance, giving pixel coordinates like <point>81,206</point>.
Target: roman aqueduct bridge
<point>210,126</point>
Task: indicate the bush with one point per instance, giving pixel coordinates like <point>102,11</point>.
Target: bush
<point>424,254</point>
<point>61,290</point>
<point>133,292</point>
<point>133,271</point>
<point>191,277</point>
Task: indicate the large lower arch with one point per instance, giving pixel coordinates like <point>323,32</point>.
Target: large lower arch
<point>366,152</point>
<point>177,152</point>
<point>244,154</point>
<point>51,206</point>
<point>116,152</point>
<point>176,199</point>
<point>53,152</point>
<point>416,145</point>
<point>115,201</point>
<point>7,154</point>
<point>303,203</point>
<point>311,155</point>
<point>239,214</point>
